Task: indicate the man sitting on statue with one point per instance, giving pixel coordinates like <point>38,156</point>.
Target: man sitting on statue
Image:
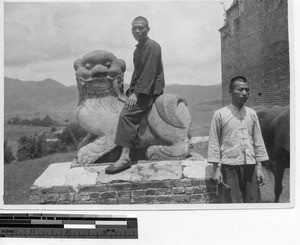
<point>146,85</point>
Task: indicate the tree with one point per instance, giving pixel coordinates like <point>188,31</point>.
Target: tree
<point>8,154</point>
<point>31,147</point>
<point>73,134</point>
<point>14,120</point>
<point>46,121</point>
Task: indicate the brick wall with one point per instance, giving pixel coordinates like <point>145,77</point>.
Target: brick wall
<point>254,43</point>
<point>151,192</point>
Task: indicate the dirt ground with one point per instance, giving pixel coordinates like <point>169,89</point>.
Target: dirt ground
<point>267,190</point>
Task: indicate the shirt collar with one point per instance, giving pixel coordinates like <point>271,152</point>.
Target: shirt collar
<point>236,108</point>
<point>238,112</point>
<point>142,43</point>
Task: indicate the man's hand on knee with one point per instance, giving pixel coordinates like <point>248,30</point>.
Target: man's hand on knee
<point>130,103</point>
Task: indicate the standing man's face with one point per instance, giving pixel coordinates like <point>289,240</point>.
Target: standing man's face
<point>139,30</point>
<point>240,93</point>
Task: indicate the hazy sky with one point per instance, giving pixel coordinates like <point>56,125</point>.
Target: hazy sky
<point>42,40</point>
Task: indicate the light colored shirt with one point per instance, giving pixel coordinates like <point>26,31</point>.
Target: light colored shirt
<point>235,137</point>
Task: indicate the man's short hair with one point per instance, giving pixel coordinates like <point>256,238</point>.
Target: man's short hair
<point>237,78</point>
<point>141,18</point>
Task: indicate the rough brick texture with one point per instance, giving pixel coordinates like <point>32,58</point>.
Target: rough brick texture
<point>152,192</point>
<point>254,44</point>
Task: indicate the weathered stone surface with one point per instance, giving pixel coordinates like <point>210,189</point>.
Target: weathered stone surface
<point>149,171</point>
<point>54,175</point>
<point>178,190</point>
<point>108,194</point>
<point>182,182</point>
<point>144,199</point>
<point>124,193</point>
<point>194,156</point>
<point>197,169</point>
<point>94,188</point>
<point>138,193</point>
<point>122,186</point>
<point>149,182</point>
<point>101,98</point>
<point>140,175</point>
<point>197,198</point>
<point>165,199</point>
<point>107,201</point>
<point>164,191</point>
<point>181,198</point>
<point>151,192</point>
<point>124,200</point>
<point>80,177</point>
<point>60,174</point>
<point>169,183</point>
<point>193,189</point>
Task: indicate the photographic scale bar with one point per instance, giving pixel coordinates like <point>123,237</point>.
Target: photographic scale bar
<point>68,226</point>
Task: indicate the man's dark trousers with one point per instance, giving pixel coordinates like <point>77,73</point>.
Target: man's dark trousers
<point>244,186</point>
<point>128,126</point>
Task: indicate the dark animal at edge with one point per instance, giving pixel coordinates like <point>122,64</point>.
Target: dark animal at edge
<point>275,126</point>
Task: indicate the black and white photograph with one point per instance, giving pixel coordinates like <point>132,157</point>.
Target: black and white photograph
<point>148,104</point>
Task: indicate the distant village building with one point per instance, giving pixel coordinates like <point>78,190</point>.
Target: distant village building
<point>255,44</point>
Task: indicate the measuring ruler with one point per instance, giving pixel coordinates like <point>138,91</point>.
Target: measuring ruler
<point>67,226</point>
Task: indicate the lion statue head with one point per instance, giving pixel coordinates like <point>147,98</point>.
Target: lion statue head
<point>99,73</point>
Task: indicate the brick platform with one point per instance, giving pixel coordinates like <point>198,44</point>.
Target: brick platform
<point>187,181</point>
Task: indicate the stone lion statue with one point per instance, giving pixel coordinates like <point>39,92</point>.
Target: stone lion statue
<point>163,132</point>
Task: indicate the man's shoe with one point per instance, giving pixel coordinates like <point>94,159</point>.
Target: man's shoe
<point>114,170</point>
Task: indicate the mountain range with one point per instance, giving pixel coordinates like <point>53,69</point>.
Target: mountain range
<point>50,96</point>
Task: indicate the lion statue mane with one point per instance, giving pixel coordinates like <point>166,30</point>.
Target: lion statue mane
<point>163,132</point>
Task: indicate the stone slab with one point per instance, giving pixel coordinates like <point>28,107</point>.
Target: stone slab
<point>60,174</point>
<point>80,177</point>
<point>147,171</point>
<point>54,175</point>
<point>197,169</point>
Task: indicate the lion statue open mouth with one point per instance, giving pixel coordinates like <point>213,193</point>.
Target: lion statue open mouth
<point>163,132</point>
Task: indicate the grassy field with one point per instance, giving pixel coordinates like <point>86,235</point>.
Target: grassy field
<point>12,133</point>
<point>200,122</point>
<point>20,176</point>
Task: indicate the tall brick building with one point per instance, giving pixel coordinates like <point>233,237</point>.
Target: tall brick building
<point>254,43</point>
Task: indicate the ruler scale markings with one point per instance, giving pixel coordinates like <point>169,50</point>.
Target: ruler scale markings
<point>14,221</point>
<point>68,226</point>
<point>79,226</point>
<point>19,226</point>
<point>89,222</point>
<point>57,232</point>
<point>46,222</point>
<point>110,222</point>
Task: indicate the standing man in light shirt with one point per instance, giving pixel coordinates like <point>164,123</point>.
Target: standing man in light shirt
<point>236,147</point>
